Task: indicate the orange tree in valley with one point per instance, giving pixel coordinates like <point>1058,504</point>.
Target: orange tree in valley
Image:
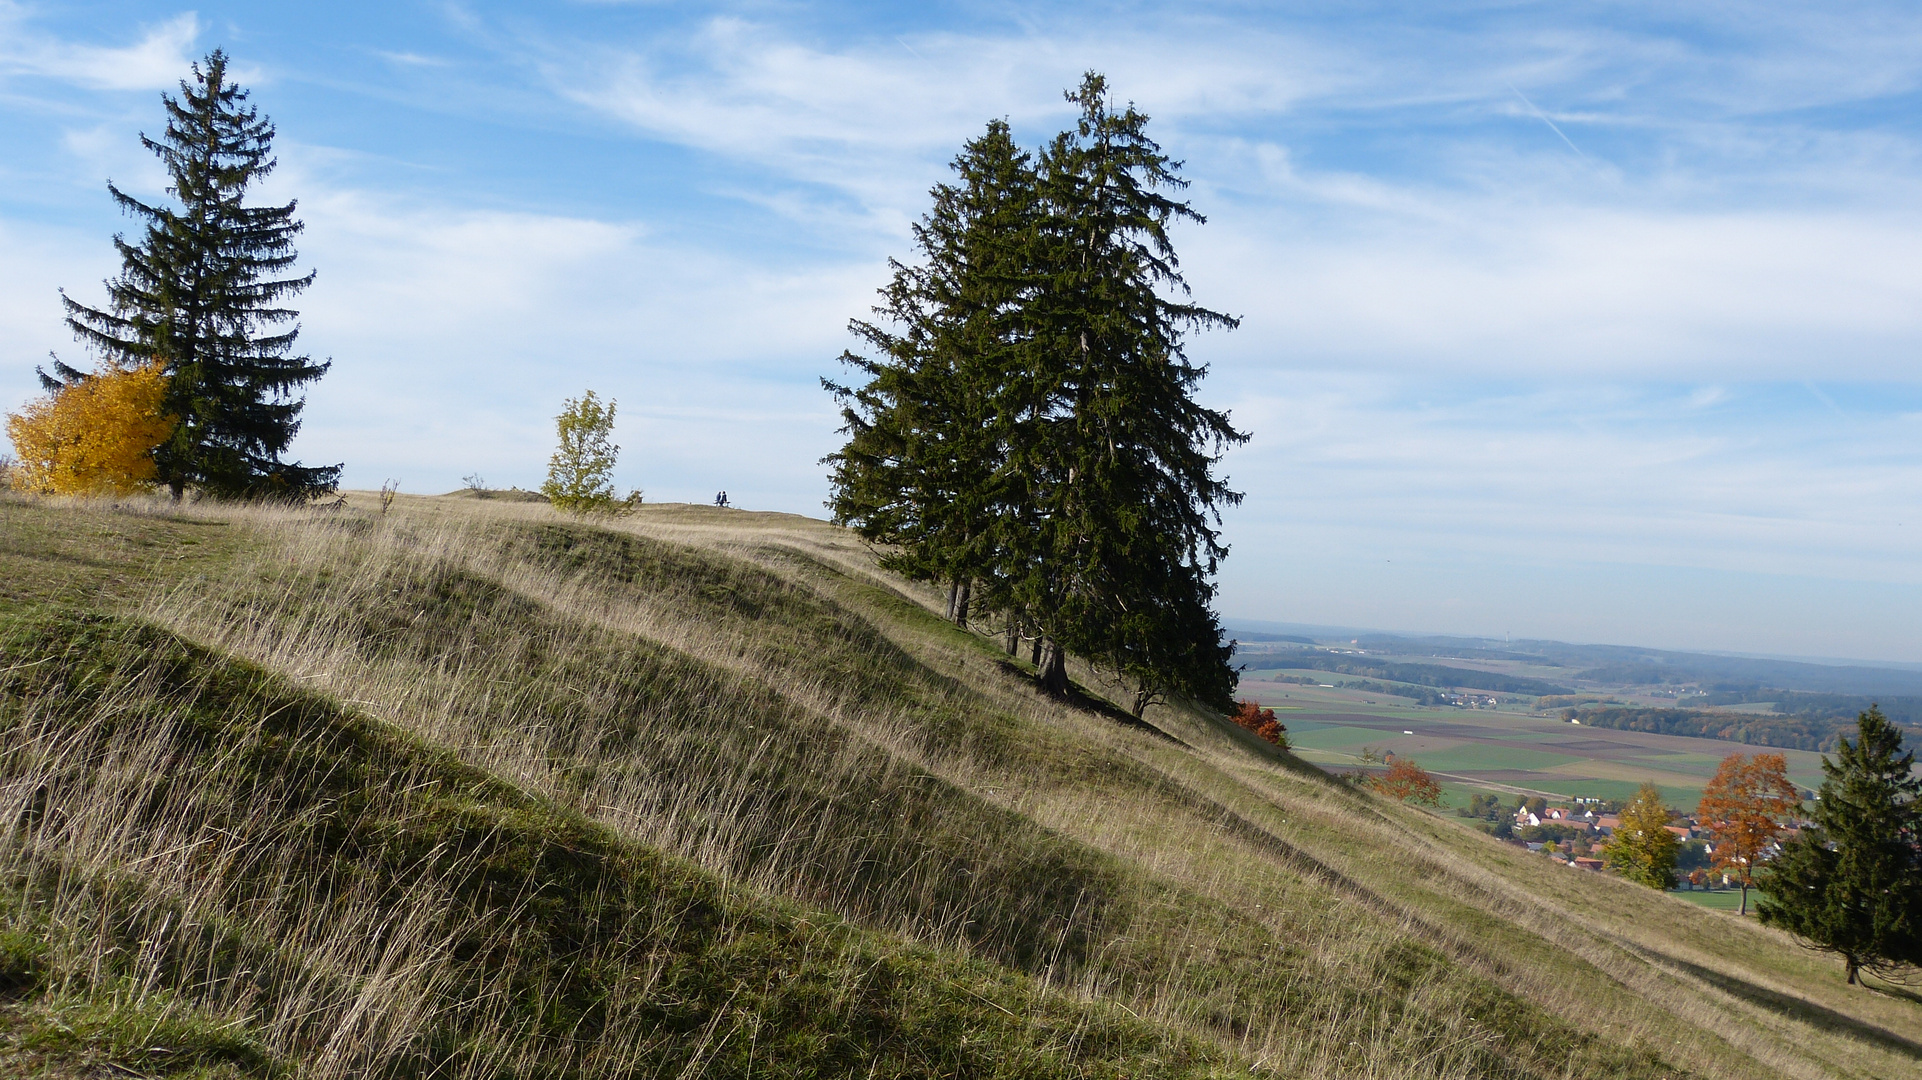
<point>1744,808</point>
<point>1408,782</point>
<point>94,435</point>
<point>1262,722</point>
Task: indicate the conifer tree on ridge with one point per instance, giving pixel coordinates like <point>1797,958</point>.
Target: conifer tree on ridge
<point>925,444</point>
<point>1852,884</point>
<point>1029,426</point>
<point>1120,453</point>
<point>203,293</point>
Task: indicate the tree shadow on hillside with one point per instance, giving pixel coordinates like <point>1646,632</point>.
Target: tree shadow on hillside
<point>1888,989</point>
<point>1807,1011</point>
<point>1079,697</point>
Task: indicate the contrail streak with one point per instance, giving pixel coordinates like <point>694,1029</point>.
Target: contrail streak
<point>1543,117</point>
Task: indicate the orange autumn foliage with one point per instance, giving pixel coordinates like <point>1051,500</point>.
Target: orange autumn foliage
<point>93,437</point>
<point>1408,782</point>
<point>1262,722</point>
<point>1744,809</point>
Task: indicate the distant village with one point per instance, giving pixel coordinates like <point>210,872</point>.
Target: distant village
<point>1575,833</point>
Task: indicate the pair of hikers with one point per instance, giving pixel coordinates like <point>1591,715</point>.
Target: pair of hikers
<point>720,499</point>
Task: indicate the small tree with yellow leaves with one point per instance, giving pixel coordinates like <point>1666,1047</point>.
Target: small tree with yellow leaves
<point>1642,848</point>
<point>93,436</point>
<point>580,475</point>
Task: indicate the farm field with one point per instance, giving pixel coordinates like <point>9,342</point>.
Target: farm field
<point>1508,751</point>
<point>1715,899</point>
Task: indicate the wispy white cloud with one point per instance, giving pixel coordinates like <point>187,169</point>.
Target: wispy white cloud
<point>1543,291</point>
<point>1679,516</point>
<point>1597,472</point>
<point>878,118</point>
<point>412,59</point>
<point>157,61</point>
<point>1494,384</point>
<point>1723,246</point>
<point>456,333</point>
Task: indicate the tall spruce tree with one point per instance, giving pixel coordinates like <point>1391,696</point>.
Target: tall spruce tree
<point>1028,425</point>
<point>203,292</point>
<point>925,444</point>
<point>1852,885</point>
<point>1108,442</point>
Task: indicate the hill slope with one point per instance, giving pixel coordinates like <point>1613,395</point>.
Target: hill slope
<point>470,789</point>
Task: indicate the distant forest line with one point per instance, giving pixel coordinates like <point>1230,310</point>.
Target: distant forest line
<point>1631,666</point>
<point>1758,729</point>
<point>1414,674</point>
<point>1843,708</point>
<point>1803,721</point>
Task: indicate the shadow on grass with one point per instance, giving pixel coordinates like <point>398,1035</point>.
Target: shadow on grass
<point>1078,697</point>
<point>1888,989</point>
<point>1816,1015</point>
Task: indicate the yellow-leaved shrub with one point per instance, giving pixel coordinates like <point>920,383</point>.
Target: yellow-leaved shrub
<point>93,437</point>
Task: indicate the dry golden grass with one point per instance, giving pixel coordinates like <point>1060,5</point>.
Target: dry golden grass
<point>749,692</point>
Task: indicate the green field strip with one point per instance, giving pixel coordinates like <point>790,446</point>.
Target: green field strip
<point>1520,736</point>
<point>1681,796</point>
<point>1718,899</point>
<point>1481,757</point>
<point>1329,738</point>
<point>1633,771</point>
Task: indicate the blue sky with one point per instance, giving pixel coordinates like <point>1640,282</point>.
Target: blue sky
<point>1598,322</point>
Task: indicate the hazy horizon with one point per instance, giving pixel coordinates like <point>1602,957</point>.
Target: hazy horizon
<point>1589,324</point>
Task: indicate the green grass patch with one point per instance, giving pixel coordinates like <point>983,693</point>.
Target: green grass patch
<point>1717,899</point>
<point>1334,738</point>
<point>546,939</point>
<point>1484,757</point>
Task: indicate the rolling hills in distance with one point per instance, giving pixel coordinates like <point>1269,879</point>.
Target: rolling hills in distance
<point>470,789</point>
<point>1618,666</point>
<point>1555,719</point>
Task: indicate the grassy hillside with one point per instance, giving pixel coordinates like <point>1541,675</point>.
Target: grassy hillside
<point>469,789</point>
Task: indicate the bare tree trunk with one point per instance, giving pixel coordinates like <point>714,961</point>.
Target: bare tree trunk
<point>1034,654</point>
<point>954,587</point>
<point>1854,966</point>
<point>1053,677</point>
<point>1014,635</point>
<point>1744,910</point>
<point>960,605</point>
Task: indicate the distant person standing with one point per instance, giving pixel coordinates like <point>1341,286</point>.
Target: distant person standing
<point>720,499</point>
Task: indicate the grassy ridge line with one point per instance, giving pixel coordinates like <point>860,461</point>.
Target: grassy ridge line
<point>675,750</point>
<point>1229,944</point>
<point>279,884</point>
<point>1579,946</point>
<point>427,627</point>
<point>1174,800</point>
